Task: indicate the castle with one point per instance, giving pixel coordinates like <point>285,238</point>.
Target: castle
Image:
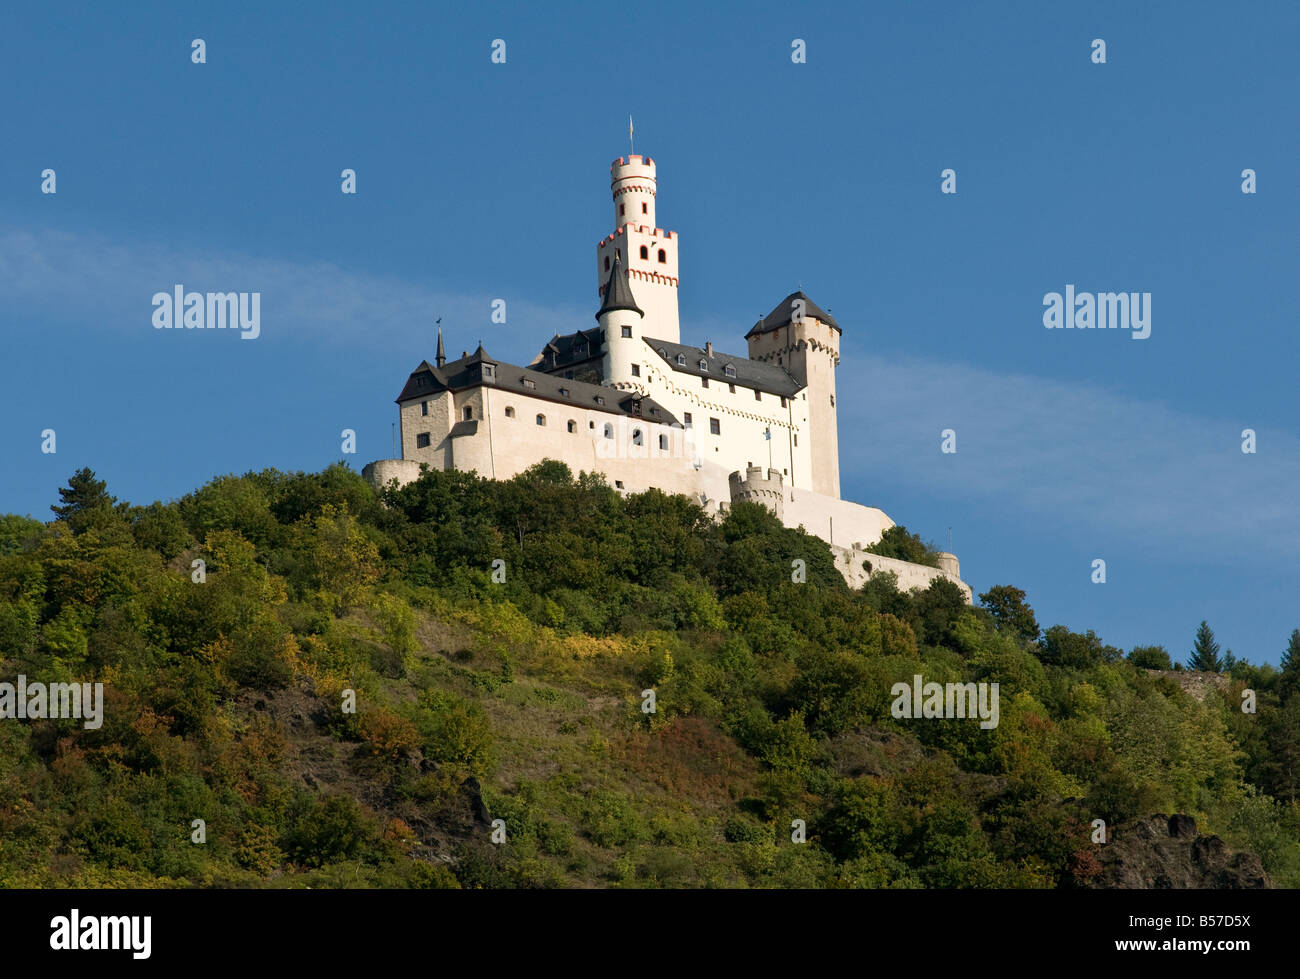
<point>626,398</point>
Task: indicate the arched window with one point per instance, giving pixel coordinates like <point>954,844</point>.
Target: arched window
<point>510,412</point>
<point>573,426</point>
<point>704,365</point>
<point>729,371</point>
<point>609,430</point>
<point>606,263</point>
<point>469,412</point>
<point>681,360</point>
<point>645,252</point>
<point>663,443</point>
<point>663,257</point>
<point>541,419</point>
<point>636,436</point>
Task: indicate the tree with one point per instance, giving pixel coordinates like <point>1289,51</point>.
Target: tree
<point>1010,612</point>
<point>898,542</point>
<point>1291,658</point>
<point>1205,651</point>
<point>83,494</point>
<point>1150,658</point>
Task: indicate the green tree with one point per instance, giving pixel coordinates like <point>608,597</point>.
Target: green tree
<point>83,499</point>
<point>1010,612</point>
<point>1205,651</point>
<point>898,542</point>
<point>1291,658</point>
<point>1150,658</point>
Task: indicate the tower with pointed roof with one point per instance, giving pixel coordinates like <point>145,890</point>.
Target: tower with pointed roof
<point>647,253</point>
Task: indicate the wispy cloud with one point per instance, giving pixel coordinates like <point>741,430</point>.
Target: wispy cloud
<point>318,302</point>
<point>1085,456</point>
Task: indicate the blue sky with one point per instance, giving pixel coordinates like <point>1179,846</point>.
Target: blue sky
<point>479,181</point>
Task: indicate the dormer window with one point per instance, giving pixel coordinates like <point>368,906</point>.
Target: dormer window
<point>564,392</point>
<point>704,365</point>
<point>681,360</point>
<point>530,383</point>
<point>599,400</point>
<point>729,371</point>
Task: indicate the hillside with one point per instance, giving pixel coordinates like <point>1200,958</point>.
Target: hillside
<point>500,642</point>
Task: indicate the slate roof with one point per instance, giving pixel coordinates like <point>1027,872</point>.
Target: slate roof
<point>469,372</point>
<point>570,349</point>
<point>749,373</point>
<point>618,291</point>
<point>784,313</point>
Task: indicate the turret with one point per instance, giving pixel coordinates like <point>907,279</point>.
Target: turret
<point>621,320</point>
<point>648,253</point>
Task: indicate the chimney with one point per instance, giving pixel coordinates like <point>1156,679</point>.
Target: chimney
<point>708,348</point>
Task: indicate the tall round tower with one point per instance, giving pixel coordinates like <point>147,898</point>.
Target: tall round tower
<point>648,253</point>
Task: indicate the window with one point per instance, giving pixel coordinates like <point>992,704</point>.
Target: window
<point>715,427</point>
<point>530,383</point>
<point>487,370</point>
<point>424,407</point>
<point>422,440</point>
<point>627,331</point>
<point>758,395</point>
<point>636,436</point>
<point>687,419</point>
<point>663,353</point>
<point>645,252</point>
<point>729,371</point>
<point>572,426</point>
<point>564,392</point>
<point>704,364</point>
<point>609,430</point>
<point>663,257</point>
<point>510,412</point>
<point>469,412</point>
<point>655,412</point>
<point>681,360</point>
<point>606,263</point>
<point>541,419</point>
<point>618,484</point>
<point>731,388</point>
<point>663,443</point>
<point>644,208</point>
<point>580,350</point>
<point>622,209</point>
<point>636,370</point>
<point>599,400</point>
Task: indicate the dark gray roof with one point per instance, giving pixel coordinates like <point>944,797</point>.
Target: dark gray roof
<point>784,313</point>
<point>749,373</point>
<point>478,370</point>
<point>618,291</point>
<point>571,348</point>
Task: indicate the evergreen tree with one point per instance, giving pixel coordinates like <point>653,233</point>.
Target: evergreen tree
<point>1205,651</point>
<point>1291,658</point>
<point>83,493</point>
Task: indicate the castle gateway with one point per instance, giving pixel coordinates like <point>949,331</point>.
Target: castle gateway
<point>626,398</point>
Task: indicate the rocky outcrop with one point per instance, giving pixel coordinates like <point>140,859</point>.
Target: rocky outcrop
<point>1168,852</point>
